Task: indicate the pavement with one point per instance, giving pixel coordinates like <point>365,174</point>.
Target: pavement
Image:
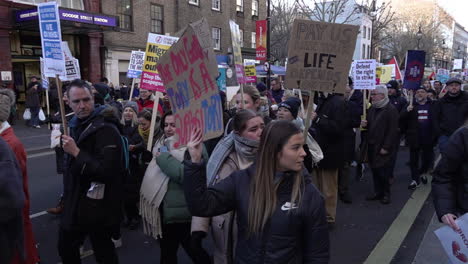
<point>400,233</point>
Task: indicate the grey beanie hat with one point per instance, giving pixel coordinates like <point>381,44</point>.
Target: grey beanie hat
<point>7,100</point>
<point>132,105</point>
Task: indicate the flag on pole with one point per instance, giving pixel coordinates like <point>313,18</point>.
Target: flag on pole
<point>397,68</point>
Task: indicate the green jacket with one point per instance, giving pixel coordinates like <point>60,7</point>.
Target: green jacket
<point>174,206</point>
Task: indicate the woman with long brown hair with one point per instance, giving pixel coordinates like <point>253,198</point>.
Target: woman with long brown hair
<point>280,215</point>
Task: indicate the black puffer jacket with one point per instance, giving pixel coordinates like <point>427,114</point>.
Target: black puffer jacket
<point>328,130</point>
<point>100,160</point>
<point>448,114</point>
<point>450,182</point>
<point>397,101</point>
<point>298,236</point>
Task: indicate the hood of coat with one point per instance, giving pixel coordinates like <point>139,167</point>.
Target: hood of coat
<point>102,115</point>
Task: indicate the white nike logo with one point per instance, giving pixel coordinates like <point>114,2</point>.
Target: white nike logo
<point>288,206</point>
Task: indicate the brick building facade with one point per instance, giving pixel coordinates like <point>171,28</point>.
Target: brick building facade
<point>139,17</point>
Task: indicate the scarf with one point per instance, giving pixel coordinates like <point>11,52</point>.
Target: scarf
<point>144,134</point>
<point>245,148</point>
<point>154,188</point>
<point>382,103</point>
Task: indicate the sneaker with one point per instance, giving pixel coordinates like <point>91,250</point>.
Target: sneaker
<point>413,185</point>
<point>117,243</point>
<point>38,126</point>
<point>58,209</point>
<point>386,200</point>
<point>424,179</point>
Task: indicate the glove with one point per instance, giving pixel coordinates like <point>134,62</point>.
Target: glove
<point>196,240</point>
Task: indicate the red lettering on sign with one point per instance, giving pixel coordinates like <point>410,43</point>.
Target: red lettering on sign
<point>185,123</point>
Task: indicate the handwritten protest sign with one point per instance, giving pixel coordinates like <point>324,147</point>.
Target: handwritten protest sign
<point>189,72</point>
<point>156,46</point>
<point>320,55</point>
<point>135,67</point>
<point>236,50</point>
<point>364,74</point>
<point>455,243</point>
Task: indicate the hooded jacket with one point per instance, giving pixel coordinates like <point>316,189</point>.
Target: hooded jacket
<point>100,160</point>
<point>450,182</point>
<point>291,235</point>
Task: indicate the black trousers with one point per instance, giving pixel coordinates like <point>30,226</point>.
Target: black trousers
<point>381,178</point>
<point>344,174</point>
<point>425,154</point>
<point>175,235</point>
<point>70,241</point>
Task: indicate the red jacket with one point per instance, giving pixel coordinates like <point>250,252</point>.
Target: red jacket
<point>32,255</point>
<point>148,104</point>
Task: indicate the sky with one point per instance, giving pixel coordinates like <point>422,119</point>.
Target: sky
<point>458,9</point>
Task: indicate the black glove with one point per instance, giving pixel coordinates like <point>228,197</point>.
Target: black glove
<point>196,240</point>
<point>146,156</point>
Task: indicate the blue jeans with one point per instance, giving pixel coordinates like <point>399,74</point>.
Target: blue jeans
<point>34,116</point>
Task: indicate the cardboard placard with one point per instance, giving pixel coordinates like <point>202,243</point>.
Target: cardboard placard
<point>250,72</point>
<point>384,73</point>
<point>189,74</point>
<point>72,65</point>
<point>320,55</point>
<point>364,74</point>
<point>135,67</point>
<point>455,243</point>
<point>156,46</point>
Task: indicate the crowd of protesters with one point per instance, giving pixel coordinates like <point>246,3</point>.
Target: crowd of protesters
<point>266,190</point>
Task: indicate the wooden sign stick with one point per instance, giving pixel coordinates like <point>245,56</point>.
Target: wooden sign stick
<point>310,110</point>
<point>242,95</point>
<point>411,95</point>
<point>130,96</point>
<point>153,120</point>
<point>62,105</point>
<point>48,107</point>
<point>364,104</point>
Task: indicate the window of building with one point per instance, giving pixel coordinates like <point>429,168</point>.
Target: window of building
<point>240,5</point>
<point>216,5</point>
<point>254,7</point>
<point>254,40</point>
<point>194,2</point>
<point>368,52</point>
<point>216,35</point>
<point>363,51</point>
<point>124,12</point>
<point>157,19</point>
<point>241,33</point>
<point>73,4</point>
<point>368,34</point>
<point>364,32</point>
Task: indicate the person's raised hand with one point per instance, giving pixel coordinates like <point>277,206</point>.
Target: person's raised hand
<point>449,219</point>
<point>194,145</point>
<point>409,108</point>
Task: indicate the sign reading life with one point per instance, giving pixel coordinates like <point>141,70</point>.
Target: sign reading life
<point>188,73</point>
<point>320,55</point>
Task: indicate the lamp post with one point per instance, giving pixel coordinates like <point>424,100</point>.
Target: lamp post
<point>444,48</point>
<point>419,36</point>
<point>268,46</point>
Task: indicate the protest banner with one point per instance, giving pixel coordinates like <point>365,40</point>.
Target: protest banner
<point>135,66</point>
<point>383,74</point>
<point>320,55</point>
<point>189,74</point>
<point>261,40</point>
<point>364,74</point>
<point>51,39</point>
<point>236,50</point>
<point>72,66</point>
<point>414,69</point>
<point>457,64</point>
<point>156,46</point>
<point>221,80</point>
<point>455,243</point>
<point>443,75</point>
<point>250,72</point>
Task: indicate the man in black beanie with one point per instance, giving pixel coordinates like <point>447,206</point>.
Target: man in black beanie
<point>395,96</point>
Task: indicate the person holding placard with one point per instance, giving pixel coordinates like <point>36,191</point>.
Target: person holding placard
<point>235,152</point>
<point>281,216</point>
<point>167,216</point>
<point>451,178</point>
<point>327,128</point>
<point>382,136</point>
<point>416,124</point>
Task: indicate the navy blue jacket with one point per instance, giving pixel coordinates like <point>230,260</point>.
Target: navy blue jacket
<point>290,236</point>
